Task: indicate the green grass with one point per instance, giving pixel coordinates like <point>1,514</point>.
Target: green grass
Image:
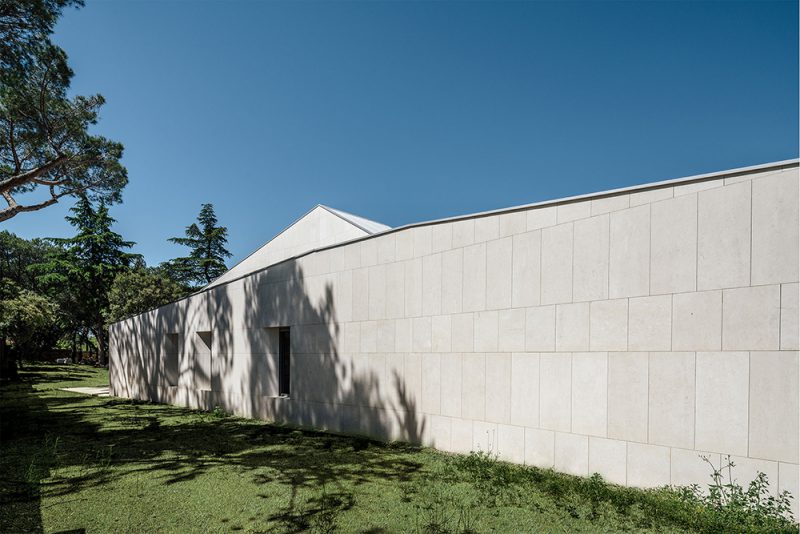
<point>71,462</point>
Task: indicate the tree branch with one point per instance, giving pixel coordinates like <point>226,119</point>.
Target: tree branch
<point>14,208</point>
<point>29,176</point>
<point>50,183</point>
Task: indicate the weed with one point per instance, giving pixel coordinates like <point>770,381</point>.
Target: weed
<point>218,412</point>
<point>495,479</point>
<point>736,507</point>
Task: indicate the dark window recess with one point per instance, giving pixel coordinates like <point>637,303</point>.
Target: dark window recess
<point>171,359</point>
<point>284,361</point>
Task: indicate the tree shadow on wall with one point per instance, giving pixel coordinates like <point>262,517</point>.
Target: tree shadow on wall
<point>342,391</point>
<point>351,391</point>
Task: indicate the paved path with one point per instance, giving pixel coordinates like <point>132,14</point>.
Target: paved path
<point>101,391</point>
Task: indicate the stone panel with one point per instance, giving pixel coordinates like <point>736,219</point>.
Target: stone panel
<point>650,323</point>
<point>722,402</point>
<point>360,294</point>
<point>751,318</point>
<point>461,435</point>
<point>451,384</point>
<point>788,480</point>
<point>463,233</point>
<point>498,387</point>
<point>572,327</point>
<point>687,467</point>
<point>775,228</point>
<point>422,236</point>
<point>697,321</point>
<point>590,265</point>
<point>452,280</point>
<point>648,465</point>
<point>420,334</point>
<point>511,329</point>
<point>673,256</point>
<point>431,384</point>
<point>539,447</point>
<point>590,393</point>
<point>432,284</point>
<point>629,267</point>
<point>609,204</point>
<point>473,386</point>
<point>541,218</point>
<point>774,410</point>
<point>511,443</point>
<point>572,454</point>
<point>441,237</point>
<point>486,325</point>
<point>413,287</point>
<point>487,228</point>
<point>608,457</point>
<point>789,317</point>
<point>512,223</point>
<point>540,328</point>
<point>441,333</point>
<point>463,327</point>
<point>608,325</point>
<point>474,298</point>
<point>573,211</point>
<point>628,395</point>
<point>395,291</point>
<point>525,389</point>
<point>556,284</point>
<point>723,237</point>
<point>672,399</point>
<point>377,292</point>
<point>653,195</point>
<point>498,273</point>
<point>526,269</point>
<point>555,391</point>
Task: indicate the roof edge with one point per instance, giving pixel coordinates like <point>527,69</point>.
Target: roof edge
<point>341,214</point>
<point>698,178</point>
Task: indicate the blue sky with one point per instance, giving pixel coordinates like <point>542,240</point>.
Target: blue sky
<point>402,112</point>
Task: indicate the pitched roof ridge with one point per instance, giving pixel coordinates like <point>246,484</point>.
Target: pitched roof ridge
<point>368,225</point>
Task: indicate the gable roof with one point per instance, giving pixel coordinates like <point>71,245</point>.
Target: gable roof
<point>321,226</point>
<point>371,227</point>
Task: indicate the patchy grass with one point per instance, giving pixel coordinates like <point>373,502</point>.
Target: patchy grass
<point>72,462</point>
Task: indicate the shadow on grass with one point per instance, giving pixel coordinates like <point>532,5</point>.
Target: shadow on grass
<point>96,440</point>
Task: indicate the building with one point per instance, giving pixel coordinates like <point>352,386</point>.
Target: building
<point>623,332</point>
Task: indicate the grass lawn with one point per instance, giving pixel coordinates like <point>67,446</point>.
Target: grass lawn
<point>72,462</point>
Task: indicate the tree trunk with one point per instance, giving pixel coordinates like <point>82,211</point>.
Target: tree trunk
<point>101,336</point>
<point>8,367</point>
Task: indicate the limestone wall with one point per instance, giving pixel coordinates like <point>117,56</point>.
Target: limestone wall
<point>623,335</point>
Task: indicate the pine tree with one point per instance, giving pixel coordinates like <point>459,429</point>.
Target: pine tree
<point>80,274</point>
<point>206,261</point>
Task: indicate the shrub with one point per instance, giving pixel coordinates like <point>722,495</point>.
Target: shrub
<point>735,507</point>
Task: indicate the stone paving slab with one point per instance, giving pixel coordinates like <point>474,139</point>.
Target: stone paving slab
<point>101,391</point>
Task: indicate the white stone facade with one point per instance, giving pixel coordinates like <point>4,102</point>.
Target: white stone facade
<point>623,333</point>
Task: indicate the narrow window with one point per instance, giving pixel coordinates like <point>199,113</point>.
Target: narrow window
<point>284,361</point>
<point>171,359</point>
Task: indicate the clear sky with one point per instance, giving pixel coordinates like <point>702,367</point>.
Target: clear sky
<point>410,111</point>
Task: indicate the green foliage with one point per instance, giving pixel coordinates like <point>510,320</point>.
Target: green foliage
<point>30,321</point>
<point>735,507</point>
<point>144,459</point>
<point>206,259</point>
<point>139,290</point>
<point>496,480</point>
<point>80,273</point>
<point>47,144</point>
<point>17,255</point>
<point>24,26</point>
